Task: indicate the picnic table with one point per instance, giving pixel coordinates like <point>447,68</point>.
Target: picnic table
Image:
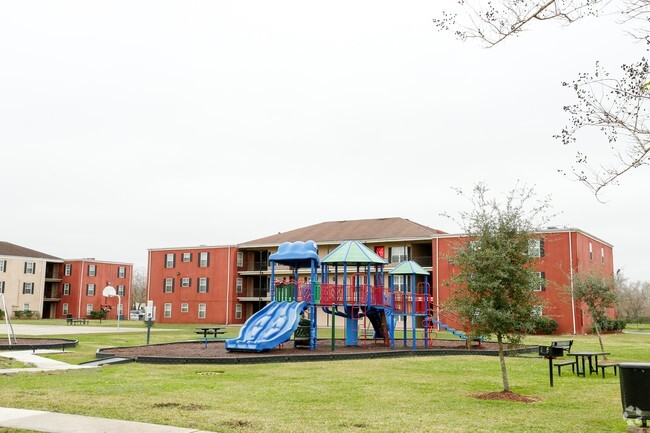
<point>210,333</point>
<point>76,321</point>
<point>591,357</point>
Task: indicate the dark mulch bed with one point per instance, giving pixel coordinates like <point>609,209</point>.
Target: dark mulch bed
<point>36,343</point>
<point>507,396</point>
<point>197,351</point>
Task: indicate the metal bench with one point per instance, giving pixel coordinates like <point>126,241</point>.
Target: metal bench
<point>603,366</point>
<point>564,344</point>
<point>559,365</point>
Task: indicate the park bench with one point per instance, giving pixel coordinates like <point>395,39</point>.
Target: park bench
<point>561,364</point>
<point>605,365</point>
<point>76,321</point>
<point>564,344</point>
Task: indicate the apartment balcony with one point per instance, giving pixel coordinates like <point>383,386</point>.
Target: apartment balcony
<point>51,296</point>
<point>255,295</point>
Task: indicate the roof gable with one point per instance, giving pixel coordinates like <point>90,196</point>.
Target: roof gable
<point>9,249</point>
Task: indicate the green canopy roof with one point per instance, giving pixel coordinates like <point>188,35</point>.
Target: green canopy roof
<point>353,252</point>
<point>408,267</point>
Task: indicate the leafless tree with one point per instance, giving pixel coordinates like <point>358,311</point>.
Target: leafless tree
<point>615,105</point>
<point>139,287</point>
<point>633,302</point>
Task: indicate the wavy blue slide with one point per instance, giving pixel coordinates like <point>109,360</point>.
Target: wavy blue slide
<point>268,328</point>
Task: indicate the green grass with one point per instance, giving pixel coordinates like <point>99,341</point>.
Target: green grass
<point>418,394</point>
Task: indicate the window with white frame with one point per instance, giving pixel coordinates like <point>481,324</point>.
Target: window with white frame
<point>602,256</point>
<point>92,270</point>
<point>399,254</point>
<point>238,311</point>
<point>30,267</point>
<point>67,270</point>
<point>187,257</point>
<point>591,251</point>
<point>203,285</point>
<point>168,310</point>
<point>398,283</point>
<point>240,259</point>
<point>3,266</point>
<point>66,289</point>
<point>186,282</point>
<point>64,310</point>
<point>204,259</point>
<point>90,289</point>
<point>120,309</point>
<point>185,308</point>
<point>89,309</point>
<point>25,307</point>
<point>2,286</point>
<point>28,288</point>
<point>537,311</point>
<point>239,285</point>
<point>121,289</point>
<point>542,282</point>
<point>170,260</point>
<point>168,285</point>
<point>536,247</point>
<point>202,311</point>
<point>121,272</point>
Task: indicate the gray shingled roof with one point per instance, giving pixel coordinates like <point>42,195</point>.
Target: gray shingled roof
<point>9,249</point>
<point>355,230</point>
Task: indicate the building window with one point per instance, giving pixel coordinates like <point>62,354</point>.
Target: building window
<point>92,270</point>
<point>202,311</point>
<point>185,308</point>
<point>28,288</point>
<point>64,310</point>
<point>537,311</point>
<point>591,251</point>
<point>187,257</point>
<point>186,282</point>
<point>66,289</point>
<point>239,285</point>
<point>203,285</point>
<point>240,259</point>
<point>25,307</point>
<point>169,285</point>
<point>2,286</point>
<point>170,260</point>
<point>602,256</point>
<point>168,310</point>
<point>121,272</point>
<point>542,285</point>
<point>90,290</point>
<point>536,247</point>
<point>89,309</point>
<point>398,283</point>
<point>67,270</point>
<point>3,266</point>
<point>204,259</point>
<point>120,309</point>
<point>30,267</point>
<point>238,311</point>
<point>120,290</point>
<point>380,251</point>
<point>398,254</point>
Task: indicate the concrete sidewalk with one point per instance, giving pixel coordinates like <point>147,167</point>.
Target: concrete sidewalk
<point>51,422</point>
<point>39,363</point>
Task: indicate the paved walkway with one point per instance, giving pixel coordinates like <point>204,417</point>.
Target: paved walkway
<point>40,363</point>
<point>23,329</point>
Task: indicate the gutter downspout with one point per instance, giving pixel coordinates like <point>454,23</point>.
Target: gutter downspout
<point>573,302</point>
<point>228,290</point>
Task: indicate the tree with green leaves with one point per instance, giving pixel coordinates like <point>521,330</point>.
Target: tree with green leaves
<point>493,290</point>
<point>597,291</point>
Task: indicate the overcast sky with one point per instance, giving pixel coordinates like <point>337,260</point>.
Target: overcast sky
<point>128,125</point>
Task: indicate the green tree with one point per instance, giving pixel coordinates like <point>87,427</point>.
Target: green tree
<point>597,292</point>
<point>493,290</point>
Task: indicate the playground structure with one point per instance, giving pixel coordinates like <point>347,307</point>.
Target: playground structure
<point>357,293</point>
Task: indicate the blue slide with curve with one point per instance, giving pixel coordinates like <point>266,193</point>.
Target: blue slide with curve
<point>268,328</point>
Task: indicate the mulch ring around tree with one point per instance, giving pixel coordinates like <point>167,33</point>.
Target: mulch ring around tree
<point>216,353</point>
<point>506,396</point>
<point>36,343</point>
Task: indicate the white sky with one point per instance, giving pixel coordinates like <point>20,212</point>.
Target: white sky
<point>128,125</point>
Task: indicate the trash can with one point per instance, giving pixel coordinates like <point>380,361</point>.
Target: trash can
<point>635,389</point>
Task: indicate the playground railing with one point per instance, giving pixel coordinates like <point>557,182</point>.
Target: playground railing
<point>404,303</point>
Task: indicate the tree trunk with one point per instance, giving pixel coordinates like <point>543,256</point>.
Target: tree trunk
<point>600,339</point>
<point>502,361</point>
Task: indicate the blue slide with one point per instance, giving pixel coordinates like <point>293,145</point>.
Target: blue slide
<point>268,328</point>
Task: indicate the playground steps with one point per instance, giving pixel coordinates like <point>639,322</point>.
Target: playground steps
<point>457,333</point>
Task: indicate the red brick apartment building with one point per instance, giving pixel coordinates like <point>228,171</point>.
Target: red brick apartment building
<point>227,284</point>
<point>53,287</point>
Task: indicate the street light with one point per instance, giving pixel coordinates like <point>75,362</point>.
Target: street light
<point>109,292</point>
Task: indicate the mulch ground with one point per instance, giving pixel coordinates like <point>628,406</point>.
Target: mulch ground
<point>190,350</point>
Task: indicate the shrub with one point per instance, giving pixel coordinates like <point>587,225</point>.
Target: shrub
<point>2,314</point>
<point>545,325</point>
<point>26,314</point>
<point>608,325</point>
<point>99,314</point>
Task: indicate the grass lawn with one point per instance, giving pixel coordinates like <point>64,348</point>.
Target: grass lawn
<point>419,394</point>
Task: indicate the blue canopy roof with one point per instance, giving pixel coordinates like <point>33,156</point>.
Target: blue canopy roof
<point>297,254</point>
